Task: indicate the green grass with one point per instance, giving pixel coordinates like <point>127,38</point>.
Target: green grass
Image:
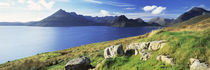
<point>181,46</point>
<point>193,20</point>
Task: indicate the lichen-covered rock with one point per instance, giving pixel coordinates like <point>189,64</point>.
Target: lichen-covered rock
<point>156,45</point>
<point>165,59</point>
<point>135,47</point>
<point>82,63</point>
<point>113,51</point>
<point>144,55</point>
<point>197,65</point>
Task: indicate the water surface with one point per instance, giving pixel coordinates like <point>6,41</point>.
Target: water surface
<point>22,41</point>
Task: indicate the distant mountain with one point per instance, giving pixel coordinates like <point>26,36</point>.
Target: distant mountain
<point>123,21</point>
<point>196,11</point>
<point>193,20</point>
<point>161,21</point>
<point>63,18</point>
<point>106,20</point>
<point>11,24</point>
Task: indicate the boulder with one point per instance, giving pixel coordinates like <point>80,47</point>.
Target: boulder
<point>130,52</point>
<point>165,59</point>
<point>197,65</point>
<point>135,47</point>
<point>82,63</point>
<point>156,45</point>
<point>144,55</point>
<point>113,51</point>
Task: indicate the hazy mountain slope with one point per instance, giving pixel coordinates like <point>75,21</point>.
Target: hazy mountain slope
<point>106,20</point>
<point>11,24</point>
<point>123,21</point>
<point>161,21</point>
<point>193,20</point>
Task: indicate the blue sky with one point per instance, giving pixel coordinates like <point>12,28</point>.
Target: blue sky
<point>33,10</point>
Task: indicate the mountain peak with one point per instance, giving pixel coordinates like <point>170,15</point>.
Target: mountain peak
<point>122,17</point>
<point>197,9</point>
<point>61,10</point>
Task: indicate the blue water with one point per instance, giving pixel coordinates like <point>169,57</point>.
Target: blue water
<point>22,41</point>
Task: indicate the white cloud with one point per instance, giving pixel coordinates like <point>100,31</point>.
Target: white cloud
<point>4,4</point>
<point>21,1</point>
<point>94,1</point>
<point>105,13</point>
<point>40,5</point>
<point>112,3</point>
<point>202,6</point>
<point>158,10</point>
<point>46,5</point>
<point>119,4</point>
<point>149,8</point>
<point>62,0</point>
<point>145,16</point>
<point>33,5</point>
<point>130,8</point>
<point>155,9</point>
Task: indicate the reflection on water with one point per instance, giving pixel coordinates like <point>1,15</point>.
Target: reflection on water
<point>18,42</point>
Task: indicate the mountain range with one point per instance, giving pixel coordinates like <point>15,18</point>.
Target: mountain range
<point>61,18</point>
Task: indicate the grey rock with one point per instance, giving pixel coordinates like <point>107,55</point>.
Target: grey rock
<point>165,59</point>
<point>156,45</point>
<point>113,51</point>
<point>82,63</point>
<point>136,46</point>
<point>144,55</point>
<point>197,65</point>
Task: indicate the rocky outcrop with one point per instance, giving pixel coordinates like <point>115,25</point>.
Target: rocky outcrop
<point>156,45</point>
<point>82,63</point>
<point>144,55</point>
<point>197,65</point>
<point>136,47</point>
<point>113,51</point>
<point>165,59</point>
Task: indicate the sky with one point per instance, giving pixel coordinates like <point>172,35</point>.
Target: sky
<point>35,10</point>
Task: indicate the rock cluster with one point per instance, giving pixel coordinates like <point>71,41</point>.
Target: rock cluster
<point>144,55</point>
<point>114,50</point>
<point>82,63</point>
<point>197,65</point>
<point>136,48</point>
<point>156,45</point>
<point>165,59</point>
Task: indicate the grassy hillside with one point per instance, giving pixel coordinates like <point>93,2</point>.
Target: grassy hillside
<point>193,20</point>
<point>184,42</point>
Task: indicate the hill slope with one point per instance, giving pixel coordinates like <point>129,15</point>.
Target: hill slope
<point>196,11</point>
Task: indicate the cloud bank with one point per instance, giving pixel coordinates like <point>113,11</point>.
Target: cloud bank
<point>154,9</point>
<point>105,13</point>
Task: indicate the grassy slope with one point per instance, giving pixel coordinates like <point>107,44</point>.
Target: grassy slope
<point>193,20</point>
<point>184,42</point>
<point>191,41</point>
